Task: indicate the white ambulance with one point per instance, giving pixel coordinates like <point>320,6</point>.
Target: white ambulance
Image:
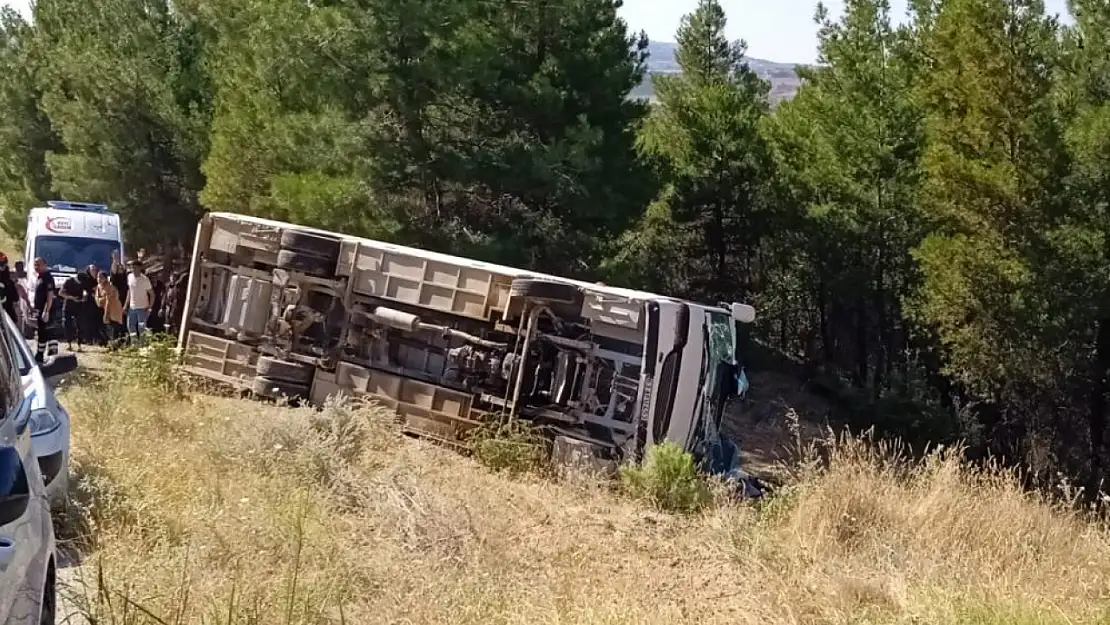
<point>70,236</point>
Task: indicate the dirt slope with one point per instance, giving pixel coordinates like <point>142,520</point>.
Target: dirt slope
<point>197,508</point>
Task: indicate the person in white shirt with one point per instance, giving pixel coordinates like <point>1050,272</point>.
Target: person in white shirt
<point>140,297</point>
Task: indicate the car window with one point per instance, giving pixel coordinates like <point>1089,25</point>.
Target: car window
<point>20,353</point>
<point>11,387</point>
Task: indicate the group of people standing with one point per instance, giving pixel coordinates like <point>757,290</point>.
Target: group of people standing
<point>94,307</point>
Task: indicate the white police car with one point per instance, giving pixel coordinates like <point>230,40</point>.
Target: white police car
<point>48,420</point>
<point>27,565</point>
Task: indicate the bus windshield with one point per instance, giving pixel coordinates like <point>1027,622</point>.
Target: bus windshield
<point>73,254</point>
<point>720,356</point>
<point>718,361</point>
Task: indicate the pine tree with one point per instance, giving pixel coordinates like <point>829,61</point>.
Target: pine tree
<point>124,86</point>
<point>1076,267</point>
<point>26,135</point>
<point>995,170</point>
<point>293,92</point>
<point>848,145</point>
<point>704,140</point>
<point>502,132</point>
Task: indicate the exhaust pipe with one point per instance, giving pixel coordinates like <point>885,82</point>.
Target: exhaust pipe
<point>394,318</point>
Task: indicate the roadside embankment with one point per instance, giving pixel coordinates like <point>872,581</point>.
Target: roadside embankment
<point>191,508</point>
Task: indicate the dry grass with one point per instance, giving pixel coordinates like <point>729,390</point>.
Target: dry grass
<point>215,510</point>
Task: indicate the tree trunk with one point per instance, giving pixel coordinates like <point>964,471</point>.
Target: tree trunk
<point>862,353</point>
<point>879,380</point>
<point>881,324</point>
<point>823,311</point>
<point>1096,419</point>
<point>721,286</point>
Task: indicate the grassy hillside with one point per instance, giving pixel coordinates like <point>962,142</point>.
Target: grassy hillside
<point>199,509</point>
<point>782,76</point>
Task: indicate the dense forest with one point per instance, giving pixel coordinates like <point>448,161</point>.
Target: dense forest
<point>924,227</point>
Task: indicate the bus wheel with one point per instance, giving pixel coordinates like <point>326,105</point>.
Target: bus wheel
<point>277,389</point>
<point>284,370</point>
<point>307,264</point>
<point>311,243</point>
<point>545,290</point>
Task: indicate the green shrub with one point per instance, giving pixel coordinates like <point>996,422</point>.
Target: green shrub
<point>152,366</point>
<point>668,479</point>
<point>513,447</point>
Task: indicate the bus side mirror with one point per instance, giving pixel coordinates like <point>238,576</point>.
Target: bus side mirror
<point>743,313</point>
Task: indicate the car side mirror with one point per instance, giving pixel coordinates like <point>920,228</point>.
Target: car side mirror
<point>59,365</point>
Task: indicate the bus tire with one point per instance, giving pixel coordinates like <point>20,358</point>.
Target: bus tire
<point>545,290</point>
<point>278,389</point>
<point>311,243</point>
<point>284,370</point>
<point>308,264</point>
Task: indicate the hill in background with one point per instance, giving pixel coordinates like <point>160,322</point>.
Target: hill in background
<point>784,80</point>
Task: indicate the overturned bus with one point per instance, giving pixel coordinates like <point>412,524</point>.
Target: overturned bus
<point>450,343</point>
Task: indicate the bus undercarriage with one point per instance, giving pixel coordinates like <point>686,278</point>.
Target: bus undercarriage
<point>450,343</point>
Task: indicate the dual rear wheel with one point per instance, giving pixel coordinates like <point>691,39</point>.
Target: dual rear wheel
<point>309,253</point>
<point>312,254</point>
<point>276,379</point>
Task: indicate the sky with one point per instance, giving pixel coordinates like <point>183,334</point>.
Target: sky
<point>777,30</point>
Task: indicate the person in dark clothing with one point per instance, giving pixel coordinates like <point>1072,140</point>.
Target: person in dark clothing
<point>9,294</point>
<point>175,299</point>
<point>87,278</point>
<point>92,316</point>
<point>45,310</point>
<point>117,275</point>
<point>73,308</point>
<point>157,321</point>
<point>23,306</point>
